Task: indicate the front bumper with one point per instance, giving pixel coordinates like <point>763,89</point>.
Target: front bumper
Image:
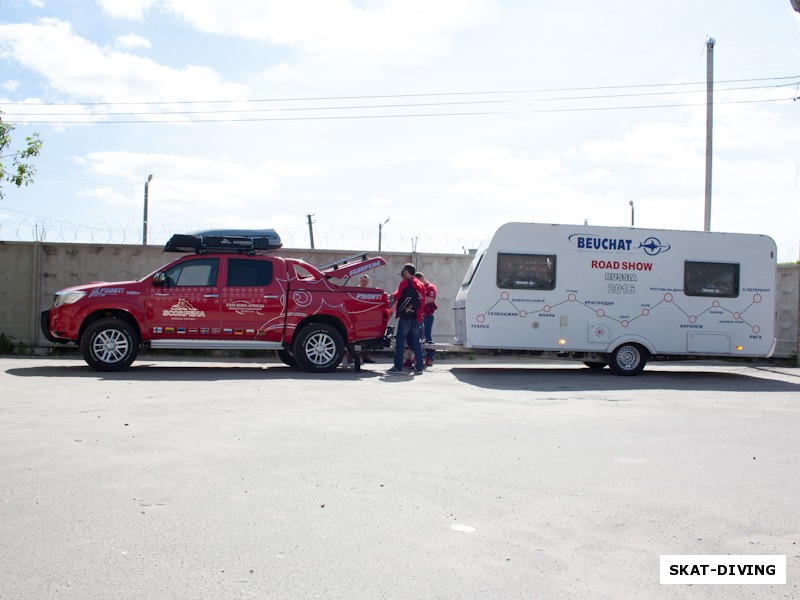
<point>44,322</point>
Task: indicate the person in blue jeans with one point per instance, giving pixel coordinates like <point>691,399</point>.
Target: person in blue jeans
<point>409,300</point>
<point>428,308</point>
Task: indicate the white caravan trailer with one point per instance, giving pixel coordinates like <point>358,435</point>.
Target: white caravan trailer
<point>619,296</point>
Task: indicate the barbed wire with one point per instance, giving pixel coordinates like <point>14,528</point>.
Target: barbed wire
<point>342,238</point>
<point>116,232</point>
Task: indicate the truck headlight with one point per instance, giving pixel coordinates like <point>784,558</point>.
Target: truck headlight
<point>67,298</point>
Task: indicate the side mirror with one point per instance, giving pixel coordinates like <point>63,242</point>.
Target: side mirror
<point>160,280</point>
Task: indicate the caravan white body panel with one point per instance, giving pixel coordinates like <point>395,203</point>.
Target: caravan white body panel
<point>588,289</point>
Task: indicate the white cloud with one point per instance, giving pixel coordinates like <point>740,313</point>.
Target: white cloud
<point>596,175</point>
<point>126,9</point>
<point>74,66</point>
<point>283,73</point>
<point>10,85</point>
<point>526,188</point>
<point>660,145</point>
<point>37,3</point>
<point>292,169</point>
<point>393,33</point>
<point>188,183</point>
<point>131,42</point>
<point>380,202</point>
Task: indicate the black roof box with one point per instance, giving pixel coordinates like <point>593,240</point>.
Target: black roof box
<point>224,240</point>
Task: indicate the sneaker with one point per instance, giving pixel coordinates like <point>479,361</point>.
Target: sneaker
<point>408,364</point>
<point>418,372</point>
<point>394,371</point>
<point>428,362</point>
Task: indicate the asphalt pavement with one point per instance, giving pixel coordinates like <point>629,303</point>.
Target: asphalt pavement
<point>490,479</point>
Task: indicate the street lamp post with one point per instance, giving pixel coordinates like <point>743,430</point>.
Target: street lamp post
<point>144,218</point>
<point>380,233</point>
<point>631,203</point>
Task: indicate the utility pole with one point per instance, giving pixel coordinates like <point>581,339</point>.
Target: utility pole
<point>144,217</point>
<point>311,230</point>
<point>631,203</point>
<point>380,233</point>
<point>709,127</point>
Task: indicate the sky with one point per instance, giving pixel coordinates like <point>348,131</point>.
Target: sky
<point>431,122</point>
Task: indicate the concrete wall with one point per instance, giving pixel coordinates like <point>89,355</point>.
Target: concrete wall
<point>19,289</point>
<point>788,311</point>
<point>30,273</point>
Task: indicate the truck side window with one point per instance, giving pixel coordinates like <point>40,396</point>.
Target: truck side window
<point>194,273</point>
<point>249,273</point>
<point>719,280</point>
<point>526,271</point>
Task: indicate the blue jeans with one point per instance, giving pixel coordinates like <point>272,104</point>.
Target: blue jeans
<point>427,324</point>
<point>405,328</point>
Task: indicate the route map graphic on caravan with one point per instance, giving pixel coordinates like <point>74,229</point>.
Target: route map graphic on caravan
<point>619,295</point>
<point>546,310</point>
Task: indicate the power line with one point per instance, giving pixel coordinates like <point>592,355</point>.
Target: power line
<point>382,116</point>
<point>414,95</point>
<point>414,105</point>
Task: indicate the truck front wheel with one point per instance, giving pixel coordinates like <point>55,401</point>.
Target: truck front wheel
<point>628,359</point>
<point>318,348</point>
<point>287,358</point>
<point>110,345</point>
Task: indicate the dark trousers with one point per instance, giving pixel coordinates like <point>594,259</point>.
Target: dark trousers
<point>427,325</point>
<point>407,327</point>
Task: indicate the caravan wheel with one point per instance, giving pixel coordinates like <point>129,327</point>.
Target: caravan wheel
<point>595,366</point>
<point>628,359</point>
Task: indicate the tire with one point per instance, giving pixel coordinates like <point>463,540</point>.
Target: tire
<point>628,359</point>
<point>287,358</point>
<point>595,366</point>
<point>318,348</point>
<point>110,345</point>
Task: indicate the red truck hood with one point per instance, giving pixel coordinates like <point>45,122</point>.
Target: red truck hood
<point>102,288</point>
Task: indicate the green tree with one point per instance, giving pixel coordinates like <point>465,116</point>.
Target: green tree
<point>20,172</point>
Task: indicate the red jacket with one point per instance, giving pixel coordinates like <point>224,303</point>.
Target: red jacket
<point>430,292</point>
<point>420,290</point>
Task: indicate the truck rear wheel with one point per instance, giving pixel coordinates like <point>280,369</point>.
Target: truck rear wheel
<point>110,345</point>
<point>628,359</point>
<point>318,348</point>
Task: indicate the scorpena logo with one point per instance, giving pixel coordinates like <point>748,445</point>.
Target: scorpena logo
<point>183,310</point>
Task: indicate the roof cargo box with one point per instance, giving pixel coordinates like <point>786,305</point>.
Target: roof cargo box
<point>224,240</point>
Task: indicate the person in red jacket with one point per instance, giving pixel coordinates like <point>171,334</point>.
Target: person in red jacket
<point>428,308</point>
<point>409,300</point>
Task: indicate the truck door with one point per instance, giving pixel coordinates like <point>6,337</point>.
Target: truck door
<point>254,299</point>
<point>186,304</point>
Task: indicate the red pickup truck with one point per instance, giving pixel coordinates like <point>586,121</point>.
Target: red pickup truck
<point>227,292</point>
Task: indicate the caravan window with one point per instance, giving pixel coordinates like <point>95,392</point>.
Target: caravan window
<point>526,271</point>
<point>473,267</point>
<point>720,280</point>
